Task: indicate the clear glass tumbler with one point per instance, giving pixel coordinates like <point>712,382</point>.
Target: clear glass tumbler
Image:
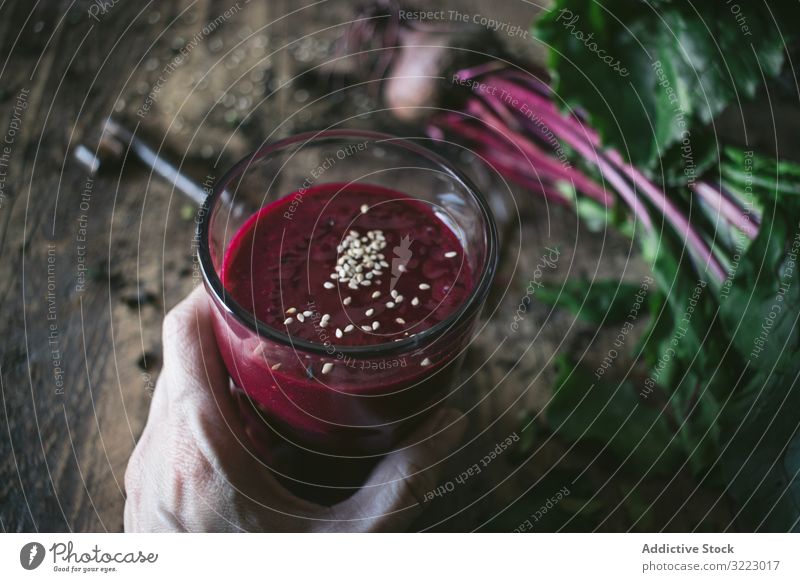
<point>322,433</point>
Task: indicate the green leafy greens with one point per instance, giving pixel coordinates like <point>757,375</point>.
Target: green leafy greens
<point>722,362</point>
<point>651,74</point>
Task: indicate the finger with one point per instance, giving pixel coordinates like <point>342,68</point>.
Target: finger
<point>154,453</point>
<point>198,388</point>
<point>392,497</point>
<point>194,380</point>
<point>190,349</point>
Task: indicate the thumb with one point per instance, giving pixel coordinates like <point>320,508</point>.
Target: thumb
<point>392,497</point>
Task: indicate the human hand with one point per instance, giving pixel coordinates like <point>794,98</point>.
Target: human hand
<point>190,470</point>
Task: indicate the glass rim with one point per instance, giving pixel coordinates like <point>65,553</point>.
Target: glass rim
<point>265,331</point>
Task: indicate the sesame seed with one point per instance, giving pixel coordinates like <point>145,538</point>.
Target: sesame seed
<point>364,209</point>
<point>425,362</point>
<point>276,366</point>
<point>424,286</point>
<point>359,258</point>
<point>327,368</point>
<point>349,328</point>
<point>401,267</point>
<point>369,312</point>
<point>328,285</point>
<point>390,304</point>
<point>398,299</point>
<point>415,301</point>
<point>450,255</point>
<point>394,292</point>
<point>301,318</point>
<point>287,321</point>
<point>366,328</point>
<point>308,313</point>
<point>291,310</point>
<point>324,321</point>
<point>375,325</point>
<point>400,320</point>
<point>347,300</point>
<point>339,332</point>
<point>376,294</point>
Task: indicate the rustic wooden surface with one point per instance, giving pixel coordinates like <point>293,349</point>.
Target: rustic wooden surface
<point>64,451</point>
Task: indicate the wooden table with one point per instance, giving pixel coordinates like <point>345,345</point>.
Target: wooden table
<point>91,264</point>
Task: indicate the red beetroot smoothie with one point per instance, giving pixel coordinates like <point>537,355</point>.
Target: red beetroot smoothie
<point>273,265</point>
<point>352,265</point>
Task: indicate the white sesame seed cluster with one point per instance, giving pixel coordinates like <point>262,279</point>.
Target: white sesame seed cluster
<point>360,259</point>
<point>359,263</point>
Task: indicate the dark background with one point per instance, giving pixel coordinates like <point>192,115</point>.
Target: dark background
<point>64,451</point>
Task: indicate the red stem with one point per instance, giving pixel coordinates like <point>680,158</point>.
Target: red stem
<point>725,207</point>
<point>673,214</point>
<point>532,152</point>
<point>541,117</point>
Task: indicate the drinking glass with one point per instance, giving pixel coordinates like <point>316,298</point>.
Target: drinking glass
<point>321,434</point>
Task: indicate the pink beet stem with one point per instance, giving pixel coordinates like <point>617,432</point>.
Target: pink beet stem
<point>725,207</point>
<point>570,174</point>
